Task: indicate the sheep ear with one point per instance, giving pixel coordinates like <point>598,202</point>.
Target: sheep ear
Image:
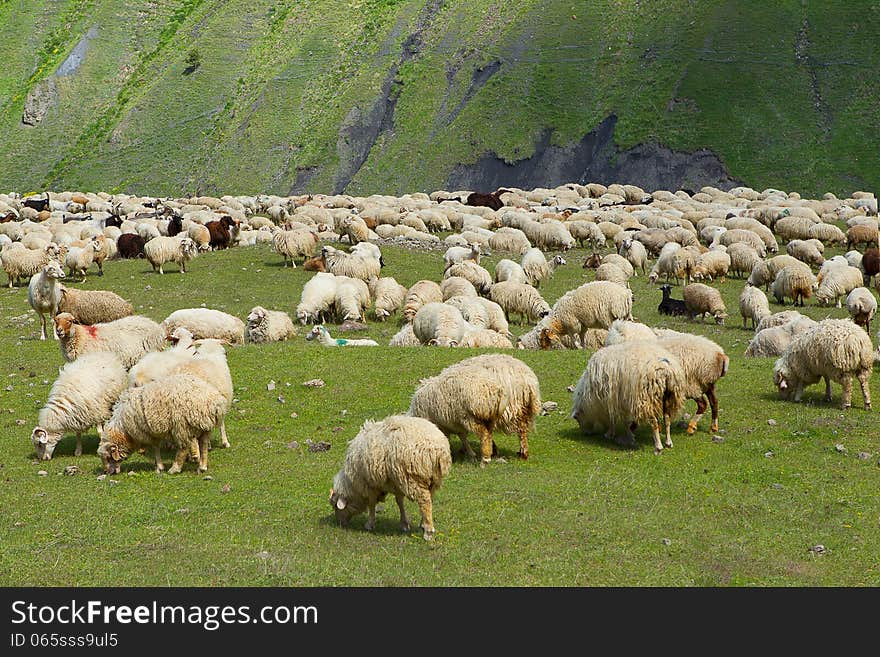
<point>113,450</point>
<point>783,385</point>
<point>340,504</point>
<point>453,343</point>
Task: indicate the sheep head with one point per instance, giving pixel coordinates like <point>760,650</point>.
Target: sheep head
<point>44,442</point>
<point>115,447</point>
<point>64,323</point>
<point>54,270</point>
<point>341,508</point>
<point>257,315</point>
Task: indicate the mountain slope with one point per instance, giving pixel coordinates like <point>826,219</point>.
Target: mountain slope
<point>392,95</point>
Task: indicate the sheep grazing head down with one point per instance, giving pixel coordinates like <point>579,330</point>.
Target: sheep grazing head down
<point>342,508</point>
<point>781,377</point>
<point>44,443</point>
<point>113,450</point>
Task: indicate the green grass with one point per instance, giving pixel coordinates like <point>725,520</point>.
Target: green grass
<point>579,512</point>
<point>278,79</point>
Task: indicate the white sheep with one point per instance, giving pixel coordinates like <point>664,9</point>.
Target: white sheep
<point>82,397</point>
<point>206,323</point>
<point>457,254</point>
<point>292,244</point>
<point>702,300</point>
<point>537,268</point>
<point>628,384</point>
<point>317,298</point>
<point>404,338</point>
<point>93,306</point>
<point>509,240</point>
<point>21,263</point>
<point>44,294</point>
<point>519,299</point>
<point>181,409</point>
<point>405,456</point>
<point>711,265</point>
<point>480,395</point>
<point>439,324</point>
<point>129,337</point>
<point>592,305</point>
<point>805,251</point>
<point>322,335</point>
<point>508,270</point>
<point>456,286</point>
<point>635,253</point>
<point>388,297</point>
<point>862,306</point>
<point>794,281</point>
<point>268,326</point>
<point>79,259</point>
<point>353,265</point>
<point>622,330</point>
<point>836,350</point>
<point>161,250</point>
<point>753,305</point>
<point>477,338</point>
<point>838,283</point>
<point>421,293</point>
<point>477,275</point>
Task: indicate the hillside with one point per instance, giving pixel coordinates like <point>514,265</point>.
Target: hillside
<point>366,96</point>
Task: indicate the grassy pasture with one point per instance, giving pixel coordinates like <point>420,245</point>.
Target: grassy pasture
<point>580,512</point>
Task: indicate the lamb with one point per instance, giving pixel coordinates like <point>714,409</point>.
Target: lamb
<point>835,349</point>
<point>837,283</point>
<point>753,305</point>
<point>509,240</point>
<point>711,265</point>
<point>405,456</point>
<point>521,299</point>
<point>439,324</point>
<point>635,253</point>
<point>456,286</point>
<point>480,395</point>
<point>592,305</point>
<point>353,265</point>
<point>160,250</point>
<point>322,335</point>
<point>536,267</point>
<point>181,409</point>
<point>508,270</point>
<point>404,338</point>
<point>316,299</point>
<point>44,294</point>
<point>129,337</point>
<point>805,251</point>
<point>703,300</point>
<point>388,297</point>
<point>292,244</point>
<point>630,384</point>
<point>420,294</point>
<point>79,259</point>
<point>456,254</point>
<point>82,397</point>
<point>861,305</point>
<point>20,264</point>
<point>93,306</point>
<point>268,326</point>
<point>352,299</point>
<point>479,277</point>
<point>206,323</point>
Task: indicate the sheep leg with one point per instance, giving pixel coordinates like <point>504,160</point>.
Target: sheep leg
<point>160,270</point>
<point>828,390</point>
<point>466,446</point>
<point>864,375</point>
<point>404,521</point>
<point>43,326</point>
<point>179,460</point>
<point>701,409</point>
<point>523,444</point>
<point>655,427</point>
<point>79,445</point>
<point>847,392</point>
<point>371,520</point>
<point>668,420</point>
<point>204,445</point>
<point>423,499</point>
<point>485,445</point>
<point>713,402</point>
<point>158,454</point>
<point>224,439</point>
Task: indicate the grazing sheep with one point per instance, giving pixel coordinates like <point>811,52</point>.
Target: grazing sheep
<point>625,331</point>
<point>404,338</point>
<point>181,409</point>
<point>93,306</point>
<point>712,265</point>
<point>130,245</point>
<point>665,264</point>
<point>805,251</point>
<point>592,305</point>
<point>20,263</point>
<point>794,282</point>
<point>198,233</point>
<point>268,326</point>
<point>508,270</point>
<point>322,335</point>
<point>82,397</point>
<point>521,299</point>
<point>703,300</point>
<point>837,283</point>
<point>471,310</point>
<point>352,299</point>
<point>206,323</point>
<point>478,338</point>
<point>354,265</point>
<point>509,240</point>
<point>456,286</point>
<point>828,233</point>
<point>537,268</point>
<point>160,250</point>
<point>743,259</point>
<point>405,456</point>
<point>129,337</point>
<point>480,395</point>
<point>549,236</point>
<point>79,259</point>
<point>388,297</point>
<point>586,232</point>
<point>836,350</point>
<point>753,305</point>
<point>629,384</point>
<point>869,263</point>
<point>355,229</point>
<point>44,294</point>
<point>862,234</point>
<point>765,271</point>
<point>635,253</point>
<point>292,244</point>
<point>479,277</point>
<point>610,272</point>
<point>439,324</point>
<point>317,298</point>
<point>421,293</point>
<point>861,305</point>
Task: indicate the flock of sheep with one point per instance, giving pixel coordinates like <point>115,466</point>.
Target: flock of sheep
<point>120,378</point>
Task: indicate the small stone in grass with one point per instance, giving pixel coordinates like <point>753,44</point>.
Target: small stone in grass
<point>570,388</point>
<point>337,429</point>
<point>717,439</point>
<point>207,477</point>
<point>148,288</point>
<point>281,399</point>
<point>863,456</point>
<point>8,388</point>
<point>771,422</point>
<point>314,383</point>
<point>270,386</point>
<point>349,325</point>
<point>294,415</point>
<point>320,446</point>
<point>18,524</point>
<point>839,448</point>
<point>113,482</point>
<point>102,477</point>
<point>20,422</point>
<point>776,486</point>
<point>501,460</point>
<point>686,416</point>
<point>818,549</point>
<point>769,455</point>
<point>71,470</point>
<point>263,555</point>
<point>182,511</point>
<point>548,407</point>
<point>293,445</point>
<point>41,473</point>
<point>666,541</point>
<point>225,488</point>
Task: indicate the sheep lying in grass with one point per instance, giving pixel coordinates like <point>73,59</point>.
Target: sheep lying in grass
<point>82,397</point>
<point>44,294</point>
<point>835,349</point>
<point>322,335</point>
<point>129,338</point>
<point>404,338</point>
<point>268,326</point>
<point>405,456</point>
<point>93,306</point>
<point>480,395</point>
<point>181,409</point>
<point>206,323</point>
<point>629,384</point>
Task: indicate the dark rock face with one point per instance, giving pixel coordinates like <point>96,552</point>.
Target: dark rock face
<point>596,158</point>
